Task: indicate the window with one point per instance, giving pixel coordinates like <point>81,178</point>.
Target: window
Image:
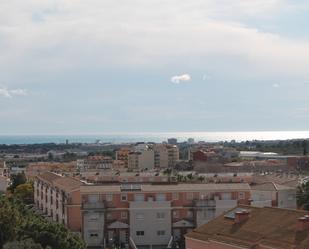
<point>124,215</point>
<point>124,197</point>
<point>93,198</point>
<point>160,197</point>
<point>189,214</point>
<point>109,197</point>
<point>175,214</point>
<point>161,233</point>
<point>139,197</point>
<point>93,217</point>
<point>291,197</point>
<point>140,233</point>
<point>109,216</point>
<point>241,195</point>
<point>226,196</point>
<point>139,216</point>
<point>175,196</point>
<point>203,196</point>
<point>93,234</point>
<point>160,215</point>
<point>190,196</point>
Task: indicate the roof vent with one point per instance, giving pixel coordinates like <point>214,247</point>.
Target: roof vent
<point>241,216</point>
<point>302,223</point>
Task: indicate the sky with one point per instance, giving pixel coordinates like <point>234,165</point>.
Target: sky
<point>98,66</point>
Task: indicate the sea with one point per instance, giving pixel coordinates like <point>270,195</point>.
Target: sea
<point>117,138</point>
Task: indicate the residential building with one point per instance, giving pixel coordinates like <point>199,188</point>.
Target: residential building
<point>58,199</point>
<point>146,215</point>
<point>4,183</point>
<point>123,155</point>
<point>172,141</point>
<point>165,155</point>
<point>141,160</point>
<point>95,163</point>
<point>273,195</point>
<point>247,227</point>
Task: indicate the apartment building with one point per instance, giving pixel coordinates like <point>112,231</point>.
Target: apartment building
<point>165,155</point>
<point>123,155</point>
<point>94,163</point>
<point>273,195</point>
<point>152,215</point>
<point>140,160</point>
<point>247,227</point>
<point>58,199</point>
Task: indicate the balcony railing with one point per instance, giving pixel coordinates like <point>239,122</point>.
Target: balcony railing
<point>97,205</point>
<point>205,203</point>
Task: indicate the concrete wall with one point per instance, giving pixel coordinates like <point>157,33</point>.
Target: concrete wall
<point>93,227</point>
<point>287,199</point>
<point>144,217</point>
<point>146,159</point>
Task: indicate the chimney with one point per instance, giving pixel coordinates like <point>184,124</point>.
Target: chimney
<point>302,223</point>
<point>241,216</point>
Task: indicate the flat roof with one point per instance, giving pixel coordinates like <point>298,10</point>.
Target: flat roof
<point>181,187</point>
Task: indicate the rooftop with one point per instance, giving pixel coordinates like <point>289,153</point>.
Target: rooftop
<point>269,227</point>
<point>169,187</point>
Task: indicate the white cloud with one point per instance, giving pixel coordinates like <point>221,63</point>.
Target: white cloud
<point>74,35</point>
<point>180,78</point>
<point>9,93</point>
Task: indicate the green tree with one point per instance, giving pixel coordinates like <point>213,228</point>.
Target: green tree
<point>304,145</point>
<point>302,196</point>
<point>16,180</point>
<point>24,244</point>
<point>18,223</point>
<point>24,192</point>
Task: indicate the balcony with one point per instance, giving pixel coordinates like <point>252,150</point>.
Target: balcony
<point>97,205</point>
<point>205,203</point>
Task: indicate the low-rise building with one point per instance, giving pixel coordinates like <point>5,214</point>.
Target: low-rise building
<point>146,215</point>
<point>140,160</point>
<point>273,195</point>
<point>4,183</point>
<point>123,155</point>
<point>58,199</point>
<point>247,227</point>
<point>94,163</point>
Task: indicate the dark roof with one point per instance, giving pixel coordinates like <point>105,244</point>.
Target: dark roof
<point>273,227</point>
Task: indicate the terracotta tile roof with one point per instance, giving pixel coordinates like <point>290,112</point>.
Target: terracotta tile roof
<point>270,186</point>
<point>67,183</point>
<point>272,227</point>
<point>49,176</point>
<point>64,183</point>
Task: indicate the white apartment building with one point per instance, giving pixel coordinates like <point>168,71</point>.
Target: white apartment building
<point>143,159</point>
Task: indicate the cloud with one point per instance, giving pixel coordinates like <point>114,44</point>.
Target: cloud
<point>180,78</point>
<point>9,93</point>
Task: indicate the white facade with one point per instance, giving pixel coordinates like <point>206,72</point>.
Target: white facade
<point>141,160</point>
<point>150,222</point>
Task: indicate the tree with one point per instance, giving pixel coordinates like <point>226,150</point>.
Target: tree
<point>302,196</point>
<point>16,180</point>
<point>24,244</point>
<point>304,145</point>
<point>19,224</point>
<point>190,177</point>
<point>24,192</point>
<point>201,178</point>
